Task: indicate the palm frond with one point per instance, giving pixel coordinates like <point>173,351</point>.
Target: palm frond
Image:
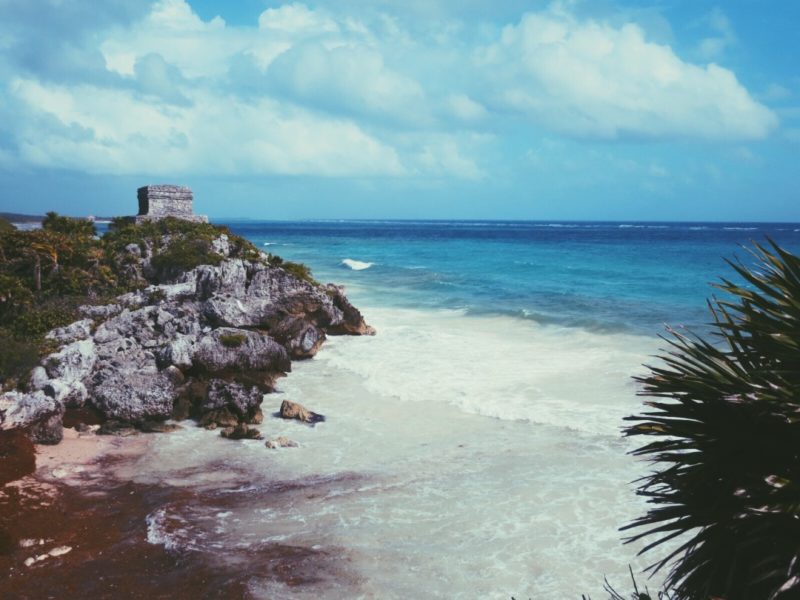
<point>724,430</point>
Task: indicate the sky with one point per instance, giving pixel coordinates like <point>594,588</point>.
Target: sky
<point>433,109</point>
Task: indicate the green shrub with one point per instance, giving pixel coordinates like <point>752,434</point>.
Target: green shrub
<point>725,427</point>
<point>232,340</point>
<point>299,270</point>
<point>68,226</point>
<point>185,254</point>
<point>17,358</point>
<point>6,226</point>
<point>41,318</point>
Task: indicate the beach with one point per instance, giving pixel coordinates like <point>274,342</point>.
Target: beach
<point>465,453</point>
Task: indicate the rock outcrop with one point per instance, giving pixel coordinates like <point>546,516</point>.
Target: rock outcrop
<point>207,343</point>
<point>293,410</point>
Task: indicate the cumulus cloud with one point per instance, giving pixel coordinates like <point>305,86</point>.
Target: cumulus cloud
<point>297,18</point>
<point>591,79</point>
<point>333,92</point>
<point>349,77</point>
<point>214,132</point>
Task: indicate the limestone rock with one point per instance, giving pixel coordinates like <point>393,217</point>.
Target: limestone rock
<point>241,432</point>
<point>228,349</point>
<point>79,330</point>
<point>300,338</point>
<point>19,410</point>
<point>292,410</point>
<point>222,417</point>
<point>242,401</point>
<point>38,379</point>
<point>133,396</point>
<point>206,345</point>
<point>352,322</point>
<point>281,442</point>
<point>118,428</point>
<point>73,363</point>
<point>158,427</point>
<point>50,430</point>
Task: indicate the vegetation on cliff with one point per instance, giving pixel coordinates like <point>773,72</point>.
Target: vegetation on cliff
<point>726,442</point>
<point>47,273</point>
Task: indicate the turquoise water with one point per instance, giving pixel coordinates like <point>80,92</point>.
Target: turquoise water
<point>472,448</point>
<point>602,276</point>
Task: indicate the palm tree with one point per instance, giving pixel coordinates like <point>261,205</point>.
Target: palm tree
<point>725,430</point>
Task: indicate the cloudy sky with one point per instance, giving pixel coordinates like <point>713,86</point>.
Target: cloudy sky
<point>667,109</point>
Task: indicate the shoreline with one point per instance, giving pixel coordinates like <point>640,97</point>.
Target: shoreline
<point>80,525</point>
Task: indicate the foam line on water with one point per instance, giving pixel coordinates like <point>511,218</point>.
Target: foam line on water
<point>500,367</point>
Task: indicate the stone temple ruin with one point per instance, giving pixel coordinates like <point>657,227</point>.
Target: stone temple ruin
<point>160,201</point>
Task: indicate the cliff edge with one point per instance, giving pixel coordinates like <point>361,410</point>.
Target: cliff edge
<point>204,341</point>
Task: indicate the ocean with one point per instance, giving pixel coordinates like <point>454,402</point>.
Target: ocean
<point>472,448</point>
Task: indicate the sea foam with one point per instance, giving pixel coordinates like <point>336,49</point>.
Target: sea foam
<point>499,366</point>
<point>356,265</point>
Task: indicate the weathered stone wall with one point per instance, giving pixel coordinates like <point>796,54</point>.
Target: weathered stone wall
<point>159,201</point>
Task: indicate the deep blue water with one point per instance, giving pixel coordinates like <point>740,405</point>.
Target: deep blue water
<point>601,276</point>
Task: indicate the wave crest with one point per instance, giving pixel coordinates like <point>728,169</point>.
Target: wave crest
<point>356,265</point>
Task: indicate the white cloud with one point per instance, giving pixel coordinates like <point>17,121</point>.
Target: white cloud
<point>178,16</point>
<point>310,91</point>
<point>585,78</point>
<point>714,46</point>
<point>215,134</point>
<point>775,91</point>
<point>352,77</point>
<point>465,108</point>
<point>297,19</point>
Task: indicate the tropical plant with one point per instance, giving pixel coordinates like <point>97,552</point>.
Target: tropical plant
<point>725,424</point>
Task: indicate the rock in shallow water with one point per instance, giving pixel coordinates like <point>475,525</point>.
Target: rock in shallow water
<point>293,410</point>
<point>281,442</point>
<point>159,427</point>
<point>241,432</point>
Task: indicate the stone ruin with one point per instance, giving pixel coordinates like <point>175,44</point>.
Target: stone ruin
<point>160,201</point>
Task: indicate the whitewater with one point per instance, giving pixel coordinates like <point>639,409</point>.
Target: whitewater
<point>472,448</point>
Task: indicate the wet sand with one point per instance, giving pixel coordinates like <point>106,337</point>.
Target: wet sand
<point>76,529</point>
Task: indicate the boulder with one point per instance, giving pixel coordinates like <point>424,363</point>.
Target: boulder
<point>241,432</point>
<point>50,430</point>
<point>281,442</point>
<point>256,418</point>
<point>241,400</point>
<point>133,396</point>
<point>301,338</point>
<point>118,428</point>
<point>73,363</point>
<point>352,322</point>
<point>38,379</point>
<point>222,417</point>
<point>229,278</point>
<point>79,330</point>
<point>292,410</point>
<point>158,427</point>
<point>238,350</point>
<point>20,410</point>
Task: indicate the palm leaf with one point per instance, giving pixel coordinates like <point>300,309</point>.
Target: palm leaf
<point>724,441</point>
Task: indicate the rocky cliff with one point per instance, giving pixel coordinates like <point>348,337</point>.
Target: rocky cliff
<point>205,343</point>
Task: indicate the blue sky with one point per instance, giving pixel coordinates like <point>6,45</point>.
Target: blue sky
<point>663,110</point>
